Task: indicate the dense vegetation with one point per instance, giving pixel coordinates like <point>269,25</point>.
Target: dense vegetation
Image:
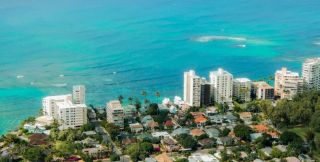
<point>304,109</point>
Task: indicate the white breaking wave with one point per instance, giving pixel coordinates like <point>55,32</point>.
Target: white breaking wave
<point>241,45</point>
<point>20,76</point>
<point>59,85</point>
<point>61,75</point>
<point>316,43</point>
<point>208,38</point>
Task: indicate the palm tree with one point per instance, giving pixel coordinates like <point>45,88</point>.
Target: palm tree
<point>130,99</point>
<point>157,95</point>
<point>120,98</point>
<point>271,78</point>
<point>310,136</point>
<point>144,94</point>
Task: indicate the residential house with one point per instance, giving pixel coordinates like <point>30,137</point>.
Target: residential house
<point>160,134</point>
<point>168,124</point>
<point>196,132</point>
<point>170,144</point>
<point>260,128</point>
<point>128,141</point>
<point>305,158</point>
<point>200,121</point>
<point>202,157</point>
<point>254,136</point>
<point>212,132</point>
<point>136,128</point>
<point>292,159</point>
<point>180,131</point>
<point>164,157</point>
<point>226,141</point>
<point>265,152</point>
<point>206,143</point>
<point>152,125</point>
<point>246,117</point>
<point>98,152</point>
<point>150,159</point>
<point>211,111</point>
<point>38,139</point>
<point>146,119</point>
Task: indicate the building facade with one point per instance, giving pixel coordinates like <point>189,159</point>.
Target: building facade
<point>242,89</point>
<point>222,85</point>
<point>286,83</point>
<point>205,98</point>
<point>71,115</point>
<point>311,72</point>
<point>115,113</point>
<point>78,94</point>
<point>192,88</point>
<point>64,111</point>
<point>49,104</point>
<point>263,91</point>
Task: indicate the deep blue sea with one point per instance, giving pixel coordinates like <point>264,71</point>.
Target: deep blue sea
<point>125,46</point>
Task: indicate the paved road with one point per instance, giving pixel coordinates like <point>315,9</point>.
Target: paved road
<point>106,138</point>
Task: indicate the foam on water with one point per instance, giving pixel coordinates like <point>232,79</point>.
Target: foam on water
<point>209,38</point>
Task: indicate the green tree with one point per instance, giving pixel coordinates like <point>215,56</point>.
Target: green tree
<point>138,151</point>
<point>187,141</point>
<point>144,94</point>
<point>153,109</point>
<point>157,94</point>
<point>276,153</point>
<point>112,129</point>
<point>120,98</point>
<point>137,104</point>
<point>290,137</point>
<point>264,141</point>
<point>310,137</point>
<point>242,131</point>
<point>182,160</point>
<point>224,132</point>
<point>114,157</point>
<point>315,121</point>
<point>130,99</point>
<point>33,154</point>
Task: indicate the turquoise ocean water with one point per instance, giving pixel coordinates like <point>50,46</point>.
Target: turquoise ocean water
<point>124,46</point>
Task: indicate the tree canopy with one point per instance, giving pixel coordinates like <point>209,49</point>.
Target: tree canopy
<point>242,131</point>
<point>187,141</point>
<point>302,110</point>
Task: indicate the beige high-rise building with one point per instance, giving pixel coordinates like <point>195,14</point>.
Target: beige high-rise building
<point>71,115</point>
<point>192,88</point>
<point>222,85</point>
<point>115,113</point>
<point>79,94</point>
<point>286,83</point>
<point>242,89</point>
<point>311,72</point>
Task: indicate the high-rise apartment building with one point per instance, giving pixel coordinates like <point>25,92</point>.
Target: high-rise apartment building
<point>115,113</point>
<point>242,89</point>
<point>286,83</point>
<point>79,94</point>
<point>311,72</point>
<point>192,88</point>
<point>222,85</point>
